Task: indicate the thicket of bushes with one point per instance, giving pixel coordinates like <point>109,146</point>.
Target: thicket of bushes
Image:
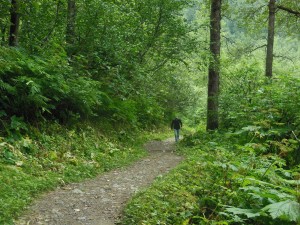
<point>266,108</point>
<point>246,174</point>
<point>33,89</point>
<point>58,126</point>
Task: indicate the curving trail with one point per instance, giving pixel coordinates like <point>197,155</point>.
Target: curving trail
<point>100,201</point>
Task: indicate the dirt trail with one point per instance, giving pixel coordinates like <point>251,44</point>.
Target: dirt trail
<point>100,201</point>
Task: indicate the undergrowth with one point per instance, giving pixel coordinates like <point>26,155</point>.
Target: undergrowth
<point>246,173</point>
<point>223,181</point>
<point>54,155</point>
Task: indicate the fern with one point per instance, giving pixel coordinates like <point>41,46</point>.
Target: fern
<point>5,87</point>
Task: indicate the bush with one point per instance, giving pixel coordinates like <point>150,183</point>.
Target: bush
<point>32,87</point>
<point>270,110</point>
<point>221,182</point>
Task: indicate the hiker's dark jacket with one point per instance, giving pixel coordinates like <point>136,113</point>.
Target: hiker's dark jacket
<point>176,124</point>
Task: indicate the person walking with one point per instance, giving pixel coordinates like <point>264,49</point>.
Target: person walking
<point>176,125</point>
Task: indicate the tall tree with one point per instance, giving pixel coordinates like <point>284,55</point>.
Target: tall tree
<point>271,32</point>
<point>14,23</point>
<point>270,42</point>
<point>4,21</point>
<point>70,31</point>
<point>214,66</point>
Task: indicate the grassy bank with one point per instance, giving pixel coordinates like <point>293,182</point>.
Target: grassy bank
<point>54,155</point>
<point>225,180</point>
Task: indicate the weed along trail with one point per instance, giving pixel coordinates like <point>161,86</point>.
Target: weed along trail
<point>100,201</point>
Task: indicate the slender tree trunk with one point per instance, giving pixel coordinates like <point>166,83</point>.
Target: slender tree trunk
<point>3,40</point>
<point>70,32</point>
<point>14,23</point>
<point>155,34</point>
<point>270,43</point>
<point>47,37</point>
<point>214,66</point>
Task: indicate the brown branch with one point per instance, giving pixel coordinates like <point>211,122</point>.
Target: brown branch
<point>252,50</point>
<point>296,13</point>
<point>284,57</point>
<point>228,40</point>
<point>155,34</point>
<point>231,41</point>
<point>159,65</point>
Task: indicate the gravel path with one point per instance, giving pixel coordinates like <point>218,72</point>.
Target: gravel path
<point>100,201</point>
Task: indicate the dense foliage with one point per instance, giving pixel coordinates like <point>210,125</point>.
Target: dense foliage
<point>248,171</point>
<point>119,56</point>
<point>128,65</point>
<point>226,179</point>
<point>248,175</point>
<point>114,66</point>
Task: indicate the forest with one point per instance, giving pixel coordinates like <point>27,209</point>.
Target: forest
<point>85,83</point>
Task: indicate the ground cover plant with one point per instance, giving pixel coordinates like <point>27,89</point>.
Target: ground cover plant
<point>131,65</point>
<point>55,155</point>
<point>223,181</point>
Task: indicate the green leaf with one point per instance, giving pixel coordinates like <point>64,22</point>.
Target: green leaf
<point>289,210</point>
<point>250,213</point>
<point>251,128</point>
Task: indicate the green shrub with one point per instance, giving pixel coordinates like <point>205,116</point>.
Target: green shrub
<point>223,181</point>
<point>32,87</point>
<point>268,111</point>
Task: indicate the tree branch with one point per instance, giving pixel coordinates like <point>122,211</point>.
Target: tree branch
<point>249,14</point>
<point>159,65</point>
<point>252,50</point>
<point>284,57</point>
<point>296,13</point>
<point>46,38</point>
<point>228,40</point>
<point>295,136</point>
<point>154,35</point>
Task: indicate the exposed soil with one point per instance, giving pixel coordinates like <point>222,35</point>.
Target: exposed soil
<point>100,201</point>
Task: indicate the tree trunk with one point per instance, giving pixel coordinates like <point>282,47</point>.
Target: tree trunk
<point>70,32</point>
<point>270,43</point>
<point>14,23</point>
<point>214,66</point>
<point>3,40</point>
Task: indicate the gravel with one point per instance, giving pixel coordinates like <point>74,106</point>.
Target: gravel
<point>100,201</point>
